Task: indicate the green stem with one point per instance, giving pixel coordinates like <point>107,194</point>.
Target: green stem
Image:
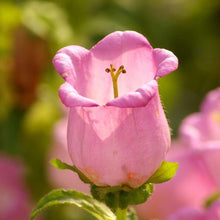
<point>121,214</point>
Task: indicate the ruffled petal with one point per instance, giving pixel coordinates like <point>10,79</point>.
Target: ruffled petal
<point>71,98</point>
<point>165,61</point>
<point>139,98</point>
<point>85,70</point>
<point>70,63</point>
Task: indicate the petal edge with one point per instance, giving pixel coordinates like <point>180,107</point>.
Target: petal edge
<point>166,62</point>
<point>70,97</point>
<point>138,98</point>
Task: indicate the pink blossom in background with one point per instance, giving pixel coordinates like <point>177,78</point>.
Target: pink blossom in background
<point>122,140</point>
<point>201,131</point>
<point>189,213</point>
<point>14,199</point>
<point>63,178</point>
<point>190,187</point>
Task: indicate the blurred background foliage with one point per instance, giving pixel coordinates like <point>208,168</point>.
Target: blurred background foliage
<point>32,31</point>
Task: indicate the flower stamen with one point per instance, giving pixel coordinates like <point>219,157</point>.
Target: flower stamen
<point>115,76</point>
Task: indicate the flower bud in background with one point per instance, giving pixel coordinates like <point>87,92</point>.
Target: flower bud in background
<point>14,198</point>
<point>118,140</point>
<point>63,178</point>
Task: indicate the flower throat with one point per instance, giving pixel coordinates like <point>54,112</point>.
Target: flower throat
<point>115,74</point>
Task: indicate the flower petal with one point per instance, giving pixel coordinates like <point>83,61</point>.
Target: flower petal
<point>139,98</point>
<point>210,154</point>
<point>211,102</point>
<point>188,213</point>
<point>71,98</point>
<point>69,63</point>
<point>192,130</point>
<point>165,61</point>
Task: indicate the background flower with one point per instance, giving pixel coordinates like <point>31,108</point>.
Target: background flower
<point>14,199</point>
<point>190,213</point>
<point>201,131</point>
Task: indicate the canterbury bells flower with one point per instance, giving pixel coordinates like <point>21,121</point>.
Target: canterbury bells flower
<point>117,130</point>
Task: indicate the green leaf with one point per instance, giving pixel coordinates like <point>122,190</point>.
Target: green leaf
<point>58,197</point>
<point>63,166</point>
<point>165,172</point>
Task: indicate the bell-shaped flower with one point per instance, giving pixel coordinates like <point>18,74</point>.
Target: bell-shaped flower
<point>117,130</point>
<point>201,131</point>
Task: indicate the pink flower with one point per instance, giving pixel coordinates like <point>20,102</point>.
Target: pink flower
<point>201,131</point>
<point>14,199</point>
<point>189,213</point>
<point>190,187</point>
<point>122,140</point>
<point>63,178</point>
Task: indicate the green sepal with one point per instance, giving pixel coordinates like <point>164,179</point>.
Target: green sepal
<point>136,195</point>
<point>121,197</point>
<point>60,197</point>
<point>164,173</point>
<point>57,163</point>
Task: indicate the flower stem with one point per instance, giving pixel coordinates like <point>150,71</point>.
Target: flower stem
<point>121,214</point>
